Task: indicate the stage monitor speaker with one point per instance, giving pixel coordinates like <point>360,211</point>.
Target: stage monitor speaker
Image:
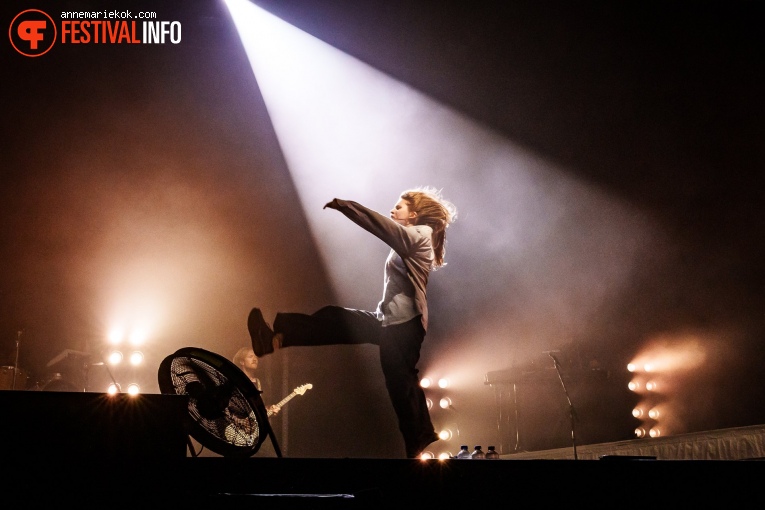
<point>86,425</point>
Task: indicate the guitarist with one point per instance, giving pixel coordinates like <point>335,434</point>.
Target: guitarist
<point>247,361</point>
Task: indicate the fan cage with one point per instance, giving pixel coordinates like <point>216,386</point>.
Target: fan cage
<point>226,413</point>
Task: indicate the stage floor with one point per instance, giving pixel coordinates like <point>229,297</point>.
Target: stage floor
<point>126,453</point>
<point>742,443</point>
<point>367,483</point>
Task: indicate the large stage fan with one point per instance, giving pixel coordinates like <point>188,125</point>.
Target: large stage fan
<point>226,412</point>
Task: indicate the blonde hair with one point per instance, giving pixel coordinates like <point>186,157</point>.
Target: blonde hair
<point>238,358</point>
<point>434,211</point>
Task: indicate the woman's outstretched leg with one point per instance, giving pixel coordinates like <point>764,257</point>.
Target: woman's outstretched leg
<point>330,325</point>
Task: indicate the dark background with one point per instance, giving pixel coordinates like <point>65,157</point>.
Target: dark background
<point>128,165</point>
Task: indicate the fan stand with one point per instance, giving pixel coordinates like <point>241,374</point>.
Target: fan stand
<point>226,413</point>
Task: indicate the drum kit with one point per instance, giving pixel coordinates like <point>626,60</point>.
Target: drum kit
<point>12,377</point>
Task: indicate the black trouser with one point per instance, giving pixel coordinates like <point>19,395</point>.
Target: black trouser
<point>399,353</point>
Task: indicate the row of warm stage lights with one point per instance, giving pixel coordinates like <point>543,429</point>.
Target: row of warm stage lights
<point>647,409</point>
<point>115,356</point>
<point>444,434</point>
<point>443,383</point>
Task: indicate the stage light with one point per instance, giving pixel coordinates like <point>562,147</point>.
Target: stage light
<point>445,435</point>
<point>637,412</point>
<point>114,358</point>
<point>651,386</point>
<point>136,358</point>
<point>631,367</point>
<point>640,432</point>
<point>138,336</point>
<point>425,382</point>
<point>633,386</point>
<point>113,389</point>
<point>444,455</point>
<point>115,336</point>
<point>427,456</point>
<point>654,414</point>
<point>654,432</point>
<point>443,382</point>
<point>445,403</point>
<point>133,389</point>
<point>429,403</point>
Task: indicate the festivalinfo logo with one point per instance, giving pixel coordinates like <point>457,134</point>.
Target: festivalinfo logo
<point>33,32</point>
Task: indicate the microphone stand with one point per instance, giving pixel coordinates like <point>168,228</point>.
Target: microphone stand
<point>104,364</point>
<point>16,361</point>
<point>572,412</point>
<point>111,376</point>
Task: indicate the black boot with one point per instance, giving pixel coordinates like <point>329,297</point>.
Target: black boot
<point>261,334</point>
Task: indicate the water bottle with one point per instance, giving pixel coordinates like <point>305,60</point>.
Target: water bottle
<point>478,453</point>
<point>492,453</point>
<point>464,453</point>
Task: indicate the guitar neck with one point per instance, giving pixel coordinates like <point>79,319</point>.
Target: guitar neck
<point>282,402</point>
<point>286,399</point>
<point>298,391</point>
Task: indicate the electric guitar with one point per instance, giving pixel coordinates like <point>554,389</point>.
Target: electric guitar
<point>245,431</point>
<point>300,390</point>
